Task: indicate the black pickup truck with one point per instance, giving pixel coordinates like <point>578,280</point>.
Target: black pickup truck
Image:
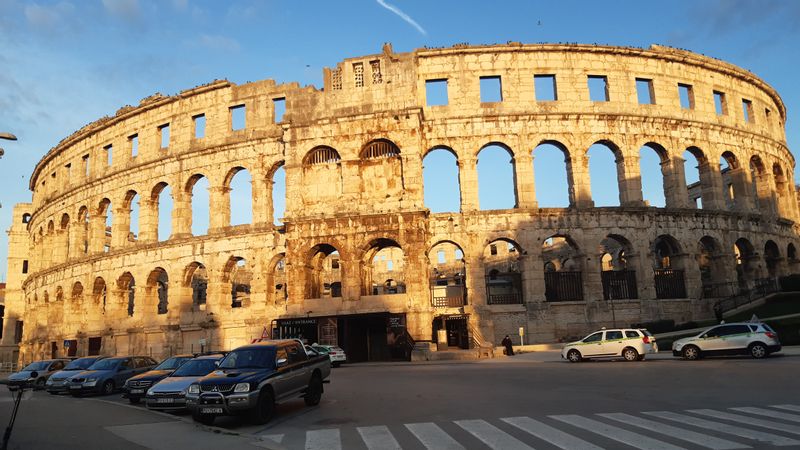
<point>252,378</point>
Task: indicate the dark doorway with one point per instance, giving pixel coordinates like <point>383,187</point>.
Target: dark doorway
<point>456,330</point>
<point>363,338</point>
<point>53,350</point>
<point>95,343</point>
<point>72,348</point>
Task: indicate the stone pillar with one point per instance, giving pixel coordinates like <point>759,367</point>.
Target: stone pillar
<point>294,184</point>
<point>59,246</point>
<point>630,181</point>
<point>148,220</point>
<point>475,282</point>
<point>413,182</point>
<point>711,186</point>
<point>580,184</point>
<point>220,208</point>
<point>524,181</point>
<point>468,181</point>
<point>764,192</point>
<point>691,276</point>
<point>121,227</point>
<point>592,280</point>
<point>676,193</point>
<point>645,282</point>
<point>97,233</point>
<point>218,296</point>
<point>351,180</point>
<point>181,213</point>
<point>742,200</point>
<point>351,280</point>
<point>262,198</point>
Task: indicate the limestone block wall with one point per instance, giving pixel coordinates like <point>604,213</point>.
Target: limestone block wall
<point>353,155</point>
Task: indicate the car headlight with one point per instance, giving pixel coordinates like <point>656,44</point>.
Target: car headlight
<point>194,389</point>
<point>150,392</point>
<point>91,381</point>
<point>49,381</point>
<point>242,387</point>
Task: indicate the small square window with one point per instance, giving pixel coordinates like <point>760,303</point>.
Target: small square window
<point>747,110</point>
<point>109,149</point>
<point>68,169</point>
<point>86,166</point>
<point>25,266</point>
<point>491,89</point>
<point>237,117</point>
<point>163,130</point>
<point>545,88</point>
<point>279,106</point>
<point>199,126</point>
<point>644,91</point>
<point>598,88</point>
<point>493,249</point>
<point>436,92</point>
<point>720,104</point>
<point>134,142</point>
<point>686,94</point>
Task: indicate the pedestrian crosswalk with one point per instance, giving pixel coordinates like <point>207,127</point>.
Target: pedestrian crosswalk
<point>732,428</point>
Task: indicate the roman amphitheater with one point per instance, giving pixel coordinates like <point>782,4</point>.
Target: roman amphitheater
<point>358,259</point>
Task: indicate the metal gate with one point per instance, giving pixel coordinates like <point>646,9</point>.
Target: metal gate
<point>619,284</point>
<point>669,283</point>
<point>563,286</point>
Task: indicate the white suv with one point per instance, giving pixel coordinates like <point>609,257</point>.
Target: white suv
<point>755,339</point>
<point>628,343</point>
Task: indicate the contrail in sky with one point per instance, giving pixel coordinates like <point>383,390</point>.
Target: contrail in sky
<point>403,16</point>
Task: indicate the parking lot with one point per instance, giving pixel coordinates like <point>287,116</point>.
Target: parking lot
<point>470,403</point>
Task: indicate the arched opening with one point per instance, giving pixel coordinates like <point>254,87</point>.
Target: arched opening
<point>197,279</point>
<point>503,270</point>
<point>381,173</point>
<point>791,253</point>
<point>240,275</point>
<point>127,287</point>
<point>696,171</point>
<point>83,230</point>
<point>59,294</point>
<point>131,205</point>
<point>563,269</point>
<point>161,198</point>
<point>26,218</point>
<point>760,183</point>
<point>240,184</point>
<point>668,265</point>
<point>654,167</point>
<point>77,293</point>
<point>158,290</point>
<point>447,275</point>
<point>605,162</point>
<point>772,258</point>
<point>99,294</point>
<point>617,268</point>
<point>322,177</point>
<point>781,191</point>
<point>441,182</point>
<point>551,168</point>
<point>278,195</point>
<point>197,189</point>
<point>280,293</point>
<point>380,148</point>
<point>106,216</point>
<point>64,230</point>
<point>323,272</point>
<point>496,178</point>
<point>384,268</point>
<point>728,164</point>
<point>711,261</point>
<point>745,267</point>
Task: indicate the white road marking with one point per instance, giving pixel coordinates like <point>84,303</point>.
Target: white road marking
<point>323,439</point>
<point>277,438</point>
<point>787,407</point>
<point>618,434</point>
<point>703,440</point>
<point>492,436</point>
<point>769,413</point>
<point>748,420</point>
<point>433,437</point>
<point>547,433</point>
<point>760,436</point>
<point>378,438</point>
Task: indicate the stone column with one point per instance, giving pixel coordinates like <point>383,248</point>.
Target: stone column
<point>468,181</point>
<point>742,200</point>
<point>351,180</point>
<point>675,192</point>
<point>351,280</point>
<point>524,181</point>
<point>220,208</point>
<point>97,233</point>
<point>181,213</point>
<point>592,280</point>
<point>262,198</point>
<point>120,227</point>
<point>645,283</point>
<point>148,220</point>
<point>413,182</point>
<point>580,184</point>
<point>294,184</point>
<point>475,282</point>
<point>711,186</point>
<point>59,246</point>
<point>630,181</point>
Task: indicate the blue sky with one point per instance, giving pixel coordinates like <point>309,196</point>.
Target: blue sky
<point>66,63</point>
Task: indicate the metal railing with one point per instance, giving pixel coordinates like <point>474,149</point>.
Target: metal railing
<point>449,297</point>
<point>761,288</point>
<point>512,298</point>
<point>619,284</point>
<point>669,283</point>
<point>563,286</point>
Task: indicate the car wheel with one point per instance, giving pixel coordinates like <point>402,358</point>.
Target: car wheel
<point>108,387</point>
<point>205,419</point>
<point>758,350</point>
<point>265,407</point>
<point>574,356</point>
<point>314,391</point>
<point>134,400</point>
<point>630,354</point>
<point>691,352</point>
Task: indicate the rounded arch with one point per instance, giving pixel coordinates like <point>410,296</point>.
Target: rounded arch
<point>231,174</point>
<point>379,148</point>
<point>553,174</point>
<point>730,159</point>
<point>322,271</point>
<point>611,145</point>
<point>128,199</point>
<point>660,150</point>
<point>713,273</point>
<point>791,252</point>
<point>505,239</point>
<point>447,274</point>
<point>446,241</point>
<point>606,173</point>
<point>321,154</point>
<point>77,291</point>
<point>158,289</point>
<point>26,218</point>
<point>665,249</point>
<point>157,190</point>
<point>239,274</point>
<point>276,279</point>
<point>698,154</point>
<point>757,165</point>
<point>195,277</point>
<point>555,143</point>
<point>64,224</point>
<point>192,181</point>
<point>126,284</point>
<point>50,227</point>
<point>563,268</point>
<point>83,213</point>
<point>446,148</point>
<point>382,258</point>
<point>497,188</point>
<point>503,272</point>
<point>441,180</point>
<point>499,144</point>
<point>59,294</point>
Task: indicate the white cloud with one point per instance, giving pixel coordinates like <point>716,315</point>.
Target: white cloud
<point>403,16</point>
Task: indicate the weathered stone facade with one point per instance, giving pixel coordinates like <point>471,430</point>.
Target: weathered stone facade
<point>353,155</point>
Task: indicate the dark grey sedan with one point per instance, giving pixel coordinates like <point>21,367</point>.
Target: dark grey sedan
<point>43,369</point>
<point>107,375</point>
<point>57,383</point>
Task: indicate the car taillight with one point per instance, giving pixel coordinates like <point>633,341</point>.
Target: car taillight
<point>771,335</point>
<point>646,340</point>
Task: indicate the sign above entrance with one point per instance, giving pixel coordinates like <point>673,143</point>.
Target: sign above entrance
<point>297,322</point>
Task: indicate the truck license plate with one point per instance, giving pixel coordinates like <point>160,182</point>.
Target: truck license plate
<point>211,410</point>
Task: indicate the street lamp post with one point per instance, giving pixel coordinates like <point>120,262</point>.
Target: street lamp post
<point>8,137</point>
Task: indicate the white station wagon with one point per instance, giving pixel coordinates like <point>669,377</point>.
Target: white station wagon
<point>628,343</point>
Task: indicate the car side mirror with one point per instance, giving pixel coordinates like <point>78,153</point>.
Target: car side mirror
<point>216,363</point>
<point>34,374</point>
<point>281,362</point>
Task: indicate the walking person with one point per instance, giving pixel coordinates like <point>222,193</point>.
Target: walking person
<point>508,345</point>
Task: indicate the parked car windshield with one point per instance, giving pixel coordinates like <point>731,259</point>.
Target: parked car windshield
<point>171,363</point>
<point>105,364</point>
<point>80,364</point>
<point>249,358</point>
<point>321,349</point>
<point>38,365</point>
<point>196,368</point>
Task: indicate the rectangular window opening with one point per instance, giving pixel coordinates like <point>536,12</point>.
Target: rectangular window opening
<point>86,167</point>
<point>598,88</point>
<point>237,117</point>
<point>134,141</point>
<point>358,74</point>
<point>436,92</point>
<point>720,104</point>
<point>109,154</point>
<point>279,107</point>
<point>68,169</point>
<point>199,126</point>
<point>644,91</point>
<point>491,89</point>
<point>686,94</point>
<point>25,266</point>
<point>747,110</point>
<point>163,131</point>
<point>767,114</point>
<point>544,86</point>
